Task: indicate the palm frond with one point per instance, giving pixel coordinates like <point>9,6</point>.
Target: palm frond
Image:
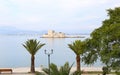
<point>77,47</point>
<point>32,46</point>
<point>46,70</point>
<point>54,70</point>
<point>65,70</point>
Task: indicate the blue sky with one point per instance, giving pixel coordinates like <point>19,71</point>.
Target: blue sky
<point>60,15</point>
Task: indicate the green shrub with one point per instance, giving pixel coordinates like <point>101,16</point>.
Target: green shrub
<point>39,73</point>
<point>106,70</point>
<point>117,72</point>
<point>77,73</point>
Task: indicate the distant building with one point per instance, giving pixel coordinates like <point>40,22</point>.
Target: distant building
<point>53,34</point>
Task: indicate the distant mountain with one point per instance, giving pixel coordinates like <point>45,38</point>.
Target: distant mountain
<point>13,30</point>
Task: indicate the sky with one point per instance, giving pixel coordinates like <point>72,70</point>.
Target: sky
<point>61,15</point>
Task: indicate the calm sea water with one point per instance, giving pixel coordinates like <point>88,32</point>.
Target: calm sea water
<point>13,54</point>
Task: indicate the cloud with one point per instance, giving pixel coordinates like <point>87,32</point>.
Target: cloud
<point>64,14</point>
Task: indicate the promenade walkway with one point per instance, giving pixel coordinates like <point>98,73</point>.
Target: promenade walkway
<point>34,74</point>
<point>16,74</point>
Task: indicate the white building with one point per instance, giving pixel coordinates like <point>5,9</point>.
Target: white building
<point>53,34</point>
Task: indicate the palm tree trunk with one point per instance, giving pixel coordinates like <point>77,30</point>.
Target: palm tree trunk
<point>32,64</point>
<point>78,63</point>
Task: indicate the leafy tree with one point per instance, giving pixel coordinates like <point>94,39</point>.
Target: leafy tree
<point>78,48</point>
<point>32,46</point>
<point>105,41</point>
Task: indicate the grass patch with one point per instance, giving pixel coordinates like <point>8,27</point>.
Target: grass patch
<point>86,72</point>
<point>97,72</point>
<point>92,72</point>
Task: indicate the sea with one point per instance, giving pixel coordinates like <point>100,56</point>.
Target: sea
<point>13,54</point>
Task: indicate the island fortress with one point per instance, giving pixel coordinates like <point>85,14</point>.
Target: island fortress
<point>53,34</point>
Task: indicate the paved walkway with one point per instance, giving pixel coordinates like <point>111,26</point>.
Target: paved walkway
<point>34,74</point>
<point>98,74</point>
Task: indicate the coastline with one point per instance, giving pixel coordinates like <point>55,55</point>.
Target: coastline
<point>39,69</point>
<point>88,69</point>
<point>67,36</point>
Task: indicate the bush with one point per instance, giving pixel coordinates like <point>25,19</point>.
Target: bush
<point>106,70</point>
<point>77,73</point>
<point>39,73</point>
<point>117,72</point>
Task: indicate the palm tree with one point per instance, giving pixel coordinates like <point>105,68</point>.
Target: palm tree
<point>32,46</point>
<point>54,70</point>
<point>78,48</point>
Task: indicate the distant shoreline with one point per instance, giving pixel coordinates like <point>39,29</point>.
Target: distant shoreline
<point>62,37</point>
<point>53,34</point>
<point>39,69</point>
<point>67,36</point>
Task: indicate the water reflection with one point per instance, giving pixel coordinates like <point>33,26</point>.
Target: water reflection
<point>13,54</point>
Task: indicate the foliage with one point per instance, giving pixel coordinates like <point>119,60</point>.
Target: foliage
<point>77,73</point>
<point>106,70</point>
<point>117,73</point>
<point>39,73</point>
<point>105,41</point>
<point>32,46</point>
<point>78,47</point>
<point>91,51</point>
<point>54,70</point>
